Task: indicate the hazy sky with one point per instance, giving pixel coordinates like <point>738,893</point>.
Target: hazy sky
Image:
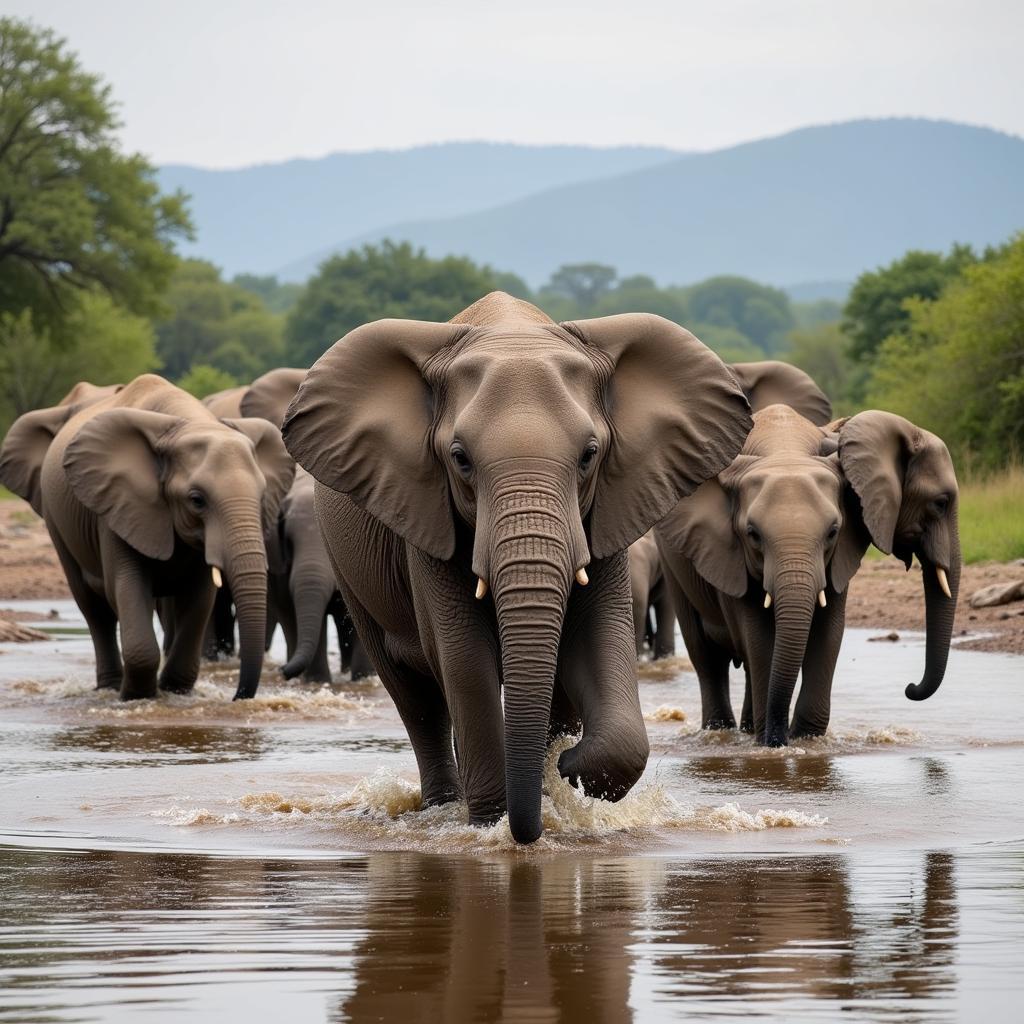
<point>229,82</point>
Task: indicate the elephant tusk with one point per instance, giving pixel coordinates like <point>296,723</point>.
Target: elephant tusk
<point>481,589</point>
<point>582,578</point>
<point>218,582</point>
<point>943,582</point>
<point>821,598</point>
<point>767,600</point>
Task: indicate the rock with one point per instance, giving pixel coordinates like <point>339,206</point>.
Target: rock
<point>998,593</point>
<point>890,637</point>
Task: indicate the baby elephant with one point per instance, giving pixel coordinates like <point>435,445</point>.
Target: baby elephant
<point>651,594</point>
<point>759,558</point>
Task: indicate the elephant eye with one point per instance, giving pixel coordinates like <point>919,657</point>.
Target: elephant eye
<point>753,533</point>
<point>461,459</point>
<point>833,532</point>
<point>197,500</point>
<point>941,505</point>
<point>588,456</point>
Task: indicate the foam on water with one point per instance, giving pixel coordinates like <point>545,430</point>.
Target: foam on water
<point>384,811</point>
<point>212,698</point>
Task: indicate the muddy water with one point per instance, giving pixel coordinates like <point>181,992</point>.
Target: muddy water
<point>269,859</point>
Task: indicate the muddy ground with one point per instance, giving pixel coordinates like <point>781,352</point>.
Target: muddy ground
<point>882,595</point>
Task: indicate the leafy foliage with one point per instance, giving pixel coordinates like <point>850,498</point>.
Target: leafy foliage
<point>217,324</point>
<point>957,366</point>
<point>75,214</point>
<point>97,341</point>
<point>203,380</point>
<point>278,296</point>
<point>377,282</point>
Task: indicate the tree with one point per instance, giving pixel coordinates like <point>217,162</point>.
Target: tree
<point>758,312</point>
<point>203,380</point>
<point>375,282</point>
<point>217,324</point>
<point>957,368</point>
<point>75,214</point>
<point>277,296</point>
<point>876,306</point>
<point>97,341</point>
<point>581,285</point>
<point>822,351</point>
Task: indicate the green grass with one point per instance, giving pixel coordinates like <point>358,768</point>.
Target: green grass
<point>992,516</point>
<point>6,495</point>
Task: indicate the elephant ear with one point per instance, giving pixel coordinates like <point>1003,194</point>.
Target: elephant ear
<point>854,538</point>
<point>226,404</point>
<point>113,467</point>
<point>774,383</point>
<point>269,396</point>
<point>25,447</point>
<point>677,418</point>
<point>361,424</point>
<point>701,528</point>
<point>275,463</point>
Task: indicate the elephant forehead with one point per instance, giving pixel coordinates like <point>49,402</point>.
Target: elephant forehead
<point>215,451</point>
<point>499,371</point>
<point>804,484</point>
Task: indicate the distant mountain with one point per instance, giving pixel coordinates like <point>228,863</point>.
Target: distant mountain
<point>818,204</point>
<point>815,291</point>
<point>262,218</point>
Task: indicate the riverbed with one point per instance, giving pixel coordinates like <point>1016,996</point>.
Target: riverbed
<point>254,860</point>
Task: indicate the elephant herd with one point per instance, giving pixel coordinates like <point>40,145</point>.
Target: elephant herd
<point>493,503</point>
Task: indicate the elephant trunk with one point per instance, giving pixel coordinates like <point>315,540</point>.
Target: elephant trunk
<point>311,590</point>
<point>246,571</point>
<point>793,600</point>
<point>940,611</point>
<point>531,566</point>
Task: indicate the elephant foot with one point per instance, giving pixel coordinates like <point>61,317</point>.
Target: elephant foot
<point>111,682</point>
<point>138,691</point>
<point>776,737</point>
<point>805,730</point>
<point>716,722</point>
<point>317,677</point>
<point>439,793</point>
<point>603,773</point>
<point>485,813</point>
<point>170,685</point>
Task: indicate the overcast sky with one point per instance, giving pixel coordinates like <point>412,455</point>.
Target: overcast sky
<point>224,83</point>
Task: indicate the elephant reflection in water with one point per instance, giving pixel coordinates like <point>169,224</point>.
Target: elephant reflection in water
<point>797,926</point>
<point>468,940</point>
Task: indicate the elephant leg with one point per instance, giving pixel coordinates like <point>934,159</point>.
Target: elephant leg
<point>361,666</point>
<point>565,719</point>
<point>710,662</point>
<point>665,626</point>
<point>747,714</point>
<point>165,614</point>
<point>191,613</point>
<point>814,702</point>
<point>99,617</point>
<point>135,604</point>
<point>597,669</point>
<point>421,706</point>
<point>638,591</point>
<point>224,621</point>
<point>319,670</point>
<point>759,633</point>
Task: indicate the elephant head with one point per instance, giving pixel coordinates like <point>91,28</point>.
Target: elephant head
<point>778,520</point>
<point>268,396</point>
<point>157,479</point>
<point>542,445</point>
<point>904,479</point>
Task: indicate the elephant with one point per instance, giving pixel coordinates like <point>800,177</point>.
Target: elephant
<point>647,581</point>
<point>775,383</point>
<point>147,495</point>
<point>503,454</point>
<point>304,594</point>
<point>759,559</point>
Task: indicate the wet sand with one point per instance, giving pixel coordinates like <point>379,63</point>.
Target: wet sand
<point>195,855</point>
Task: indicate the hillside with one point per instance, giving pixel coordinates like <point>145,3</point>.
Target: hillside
<point>263,218</point>
<point>816,205</point>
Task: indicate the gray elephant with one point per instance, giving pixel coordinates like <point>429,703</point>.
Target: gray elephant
<point>304,594</point>
<point>503,454</point>
<point>147,495</point>
<point>650,593</point>
<point>759,559</point>
<point>771,382</point>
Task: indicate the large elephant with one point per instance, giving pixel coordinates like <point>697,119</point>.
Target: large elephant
<point>759,559</point>
<point>146,494</point>
<point>650,593</point>
<point>504,454</point>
